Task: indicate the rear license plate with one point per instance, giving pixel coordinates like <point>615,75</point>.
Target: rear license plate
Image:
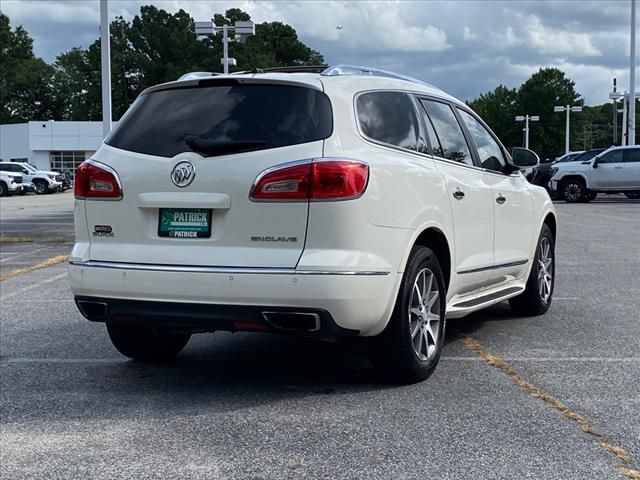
<point>185,222</point>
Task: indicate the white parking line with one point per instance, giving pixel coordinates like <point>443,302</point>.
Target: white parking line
<point>549,359</point>
<point>20,291</point>
<point>25,253</point>
<point>54,360</point>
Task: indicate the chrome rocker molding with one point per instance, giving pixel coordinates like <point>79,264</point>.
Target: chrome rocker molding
<point>494,267</point>
<point>234,271</point>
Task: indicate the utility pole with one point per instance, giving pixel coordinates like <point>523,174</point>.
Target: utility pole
<point>105,60</point>
<point>527,119</point>
<point>631,138</point>
<point>568,109</point>
<point>615,112</point>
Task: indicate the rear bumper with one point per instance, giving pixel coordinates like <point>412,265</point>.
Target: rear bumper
<point>202,317</point>
<point>212,299</point>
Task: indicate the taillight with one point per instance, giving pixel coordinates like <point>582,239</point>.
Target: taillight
<point>316,180</point>
<point>93,181</point>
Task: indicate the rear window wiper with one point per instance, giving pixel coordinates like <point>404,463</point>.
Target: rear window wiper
<point>213,147</point>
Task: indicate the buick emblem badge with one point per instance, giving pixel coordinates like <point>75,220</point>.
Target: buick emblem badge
<point>183,174</point>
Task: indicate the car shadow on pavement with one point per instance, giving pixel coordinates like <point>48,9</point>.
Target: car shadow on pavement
<point>222,371</point>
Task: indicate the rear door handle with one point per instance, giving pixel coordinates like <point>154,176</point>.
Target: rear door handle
<point>458,194</point>
<point>500,199</point>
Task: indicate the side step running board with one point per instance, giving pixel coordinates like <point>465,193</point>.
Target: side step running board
<point>489,298</point>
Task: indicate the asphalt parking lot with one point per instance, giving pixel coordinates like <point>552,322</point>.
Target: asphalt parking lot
<point>552,397</point>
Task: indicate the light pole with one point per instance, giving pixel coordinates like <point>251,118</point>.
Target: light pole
<point>105,60</point>
<point>568,109</point>
<point>242,31</point>
<point>631,137</point>
<point>527,119</point>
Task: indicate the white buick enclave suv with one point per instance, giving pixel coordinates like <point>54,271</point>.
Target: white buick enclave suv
<point>348,202</point>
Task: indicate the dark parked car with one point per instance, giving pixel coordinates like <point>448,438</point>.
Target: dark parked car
<point>542,173</point>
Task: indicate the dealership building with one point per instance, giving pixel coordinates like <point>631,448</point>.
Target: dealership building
<point>50,145</point>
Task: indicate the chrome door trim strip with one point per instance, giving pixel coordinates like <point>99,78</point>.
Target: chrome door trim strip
<point>225,270</point>
<point>494,267</point>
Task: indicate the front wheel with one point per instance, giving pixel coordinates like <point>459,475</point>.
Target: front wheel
<point>573,190</point>
<point>590,195</point>
<point>408,350</point>
<point>632,195</point>
<point>536,298</point>
<point>40,187</point>
<point>146,344</point>
<point>3,189</point>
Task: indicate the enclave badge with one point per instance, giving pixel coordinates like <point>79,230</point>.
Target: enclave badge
<point>183,174</point>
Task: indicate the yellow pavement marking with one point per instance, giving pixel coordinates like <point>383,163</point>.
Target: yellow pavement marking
<point>620,453</point>
<point>47,263</point>
<point>5,239</point>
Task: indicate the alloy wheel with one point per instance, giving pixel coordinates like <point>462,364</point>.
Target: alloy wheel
<point>40,187</point>
<point>545,270</point>
<point>424,315</point>
<point>573,192</point>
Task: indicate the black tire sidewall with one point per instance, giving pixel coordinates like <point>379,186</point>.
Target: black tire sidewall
<point>394,347</point>
<point>3,189</point>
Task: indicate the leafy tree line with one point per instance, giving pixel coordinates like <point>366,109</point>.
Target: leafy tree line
<point>591,128</point>
<point>155,47</point>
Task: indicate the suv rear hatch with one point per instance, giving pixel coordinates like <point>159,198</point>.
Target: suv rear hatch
<point>186,156</point>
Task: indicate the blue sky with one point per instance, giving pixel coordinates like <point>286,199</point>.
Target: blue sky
<point>464,47</point>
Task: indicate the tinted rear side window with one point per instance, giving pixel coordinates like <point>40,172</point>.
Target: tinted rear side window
<point>221,119</point>
<point>388,117</point>
<point>453,144</point>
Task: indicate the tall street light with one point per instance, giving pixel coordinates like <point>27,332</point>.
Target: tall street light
<point>241,29</point>
<point>527,119</point>
<point>105,60</point>
<point>568,109</point>
<point>631,138</point>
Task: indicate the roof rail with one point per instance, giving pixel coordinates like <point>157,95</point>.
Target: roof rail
<point>287,69</point>
<point>336,70</point>
<point>197,75</point>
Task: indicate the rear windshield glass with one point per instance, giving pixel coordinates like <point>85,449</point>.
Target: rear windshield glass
<point>223,119</point>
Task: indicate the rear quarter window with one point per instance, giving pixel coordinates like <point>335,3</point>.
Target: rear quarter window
<point>388,117</point>
<point>222,119</point>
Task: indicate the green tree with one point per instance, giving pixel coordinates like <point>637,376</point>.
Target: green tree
<point>545,89</point>
<point>25,81</point>
<point>498,108</point>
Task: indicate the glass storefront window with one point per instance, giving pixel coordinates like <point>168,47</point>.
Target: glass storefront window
<point>66,162</point>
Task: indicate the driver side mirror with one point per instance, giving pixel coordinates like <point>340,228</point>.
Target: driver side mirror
<point>595,162</point>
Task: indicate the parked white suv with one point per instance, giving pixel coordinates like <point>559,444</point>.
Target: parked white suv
<point>348,203</point>
<point>616,170</point>
<point>43,181</point>
<point>11,184</point>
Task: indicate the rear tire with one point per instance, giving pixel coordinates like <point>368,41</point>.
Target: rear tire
<point>409,348</point>
<point>536,298</point>
<point>146,344</point>
<point>632,195</point>
<point>3,189</point>
<point>573,190</point>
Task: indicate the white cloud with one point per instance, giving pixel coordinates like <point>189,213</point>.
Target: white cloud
<point>559,42</point>
<point>469,35</point>
<point>506,39</point>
